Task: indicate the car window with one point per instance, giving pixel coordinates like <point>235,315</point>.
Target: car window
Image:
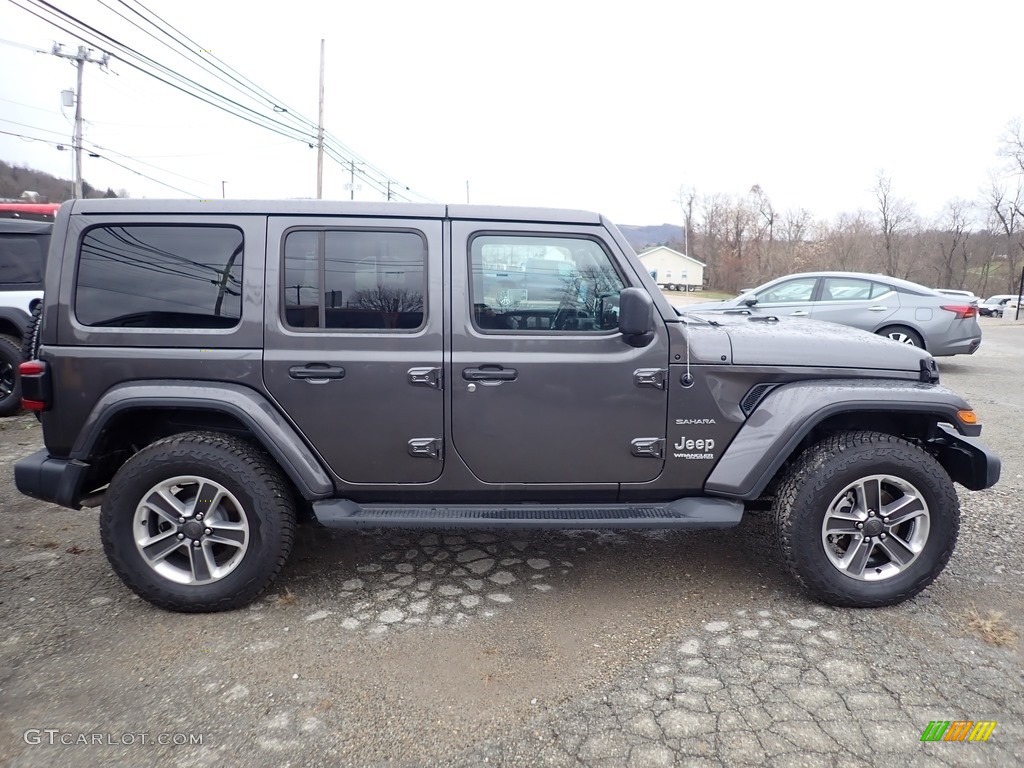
<point>851,289</point>
<point>348,279</point>
<point>800,289</point>
<point>22,258</point>
<point>160,276</point>
<point>542,283</point>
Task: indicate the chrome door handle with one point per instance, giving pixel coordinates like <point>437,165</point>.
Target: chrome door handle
<point>798,313</point>
<point>877,309</point>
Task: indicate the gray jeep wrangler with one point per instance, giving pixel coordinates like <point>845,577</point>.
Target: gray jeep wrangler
<point>210,372</point>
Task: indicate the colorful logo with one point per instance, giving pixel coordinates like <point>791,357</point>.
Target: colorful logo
<point>958,730</point>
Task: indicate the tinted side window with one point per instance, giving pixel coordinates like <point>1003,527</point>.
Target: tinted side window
<point>22,258</point>
<point>791,290</point>
<point>539,283</point>
<point>848,289</point>
<point>160,277</point>
<point>352,279</point>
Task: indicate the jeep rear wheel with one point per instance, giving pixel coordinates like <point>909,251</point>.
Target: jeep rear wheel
<point>866,519</point>
<point>198,522</point>
<point>10,380</point>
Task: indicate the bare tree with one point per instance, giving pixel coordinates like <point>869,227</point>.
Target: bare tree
<point>687,198</point>
<point>388,300</point>
<point>763,223</point>
<point>1004,202</point>
<point>896,219</point>
<point>849,243</point>
<point>954,231</point>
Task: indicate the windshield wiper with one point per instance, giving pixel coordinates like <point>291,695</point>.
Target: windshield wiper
<point>703,319</point>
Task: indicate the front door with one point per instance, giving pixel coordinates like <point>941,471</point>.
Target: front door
<point>543,387</point>
<point>354,342</point>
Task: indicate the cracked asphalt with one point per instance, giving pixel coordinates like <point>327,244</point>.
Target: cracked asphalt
<point>578,648</point>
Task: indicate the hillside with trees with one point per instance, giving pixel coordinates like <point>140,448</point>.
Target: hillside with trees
<point>16,180</point>
<point>975,243</point>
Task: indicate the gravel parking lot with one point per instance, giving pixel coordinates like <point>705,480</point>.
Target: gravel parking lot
<point>579,648</point>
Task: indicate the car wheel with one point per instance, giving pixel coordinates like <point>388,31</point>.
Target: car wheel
<point>198,522</point>
<point>10,380</point>
<point>903,335</point>
<point>866,519</point>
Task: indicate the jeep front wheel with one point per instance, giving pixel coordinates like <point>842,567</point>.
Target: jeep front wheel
<point>198,522</point>
<point>866,519</point>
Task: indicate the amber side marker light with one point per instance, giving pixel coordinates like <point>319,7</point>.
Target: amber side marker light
<point>967,417</point>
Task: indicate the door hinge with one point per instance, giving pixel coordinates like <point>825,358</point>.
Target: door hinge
<point>650,377</point>
<point>649,447</point>
<point>425,377</point>
<point>425,447</point>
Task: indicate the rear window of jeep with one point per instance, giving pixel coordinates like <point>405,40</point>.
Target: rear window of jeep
<point>160,276</point>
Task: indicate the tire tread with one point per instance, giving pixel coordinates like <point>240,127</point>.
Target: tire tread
<point>266,481</point>
<point>811,467</point>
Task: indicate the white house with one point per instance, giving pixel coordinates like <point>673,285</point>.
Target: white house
<point>673,270</point>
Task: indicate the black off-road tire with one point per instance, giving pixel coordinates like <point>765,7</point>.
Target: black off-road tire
<point>10,359</point>
<point>245,470</point>
<point>822,472</point>
<point>30,342</point>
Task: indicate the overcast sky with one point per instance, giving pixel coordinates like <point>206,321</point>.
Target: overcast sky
<point>603,106</point>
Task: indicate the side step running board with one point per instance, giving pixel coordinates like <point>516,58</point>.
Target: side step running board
<point>691,513</point>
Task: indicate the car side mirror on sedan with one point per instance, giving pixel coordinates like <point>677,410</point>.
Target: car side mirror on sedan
<point>750,300</point>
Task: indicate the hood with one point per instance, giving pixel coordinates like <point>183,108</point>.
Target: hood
<point>814,343</point>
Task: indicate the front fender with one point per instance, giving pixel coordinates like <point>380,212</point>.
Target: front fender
<point>271,429</point>
<point>788,414</point>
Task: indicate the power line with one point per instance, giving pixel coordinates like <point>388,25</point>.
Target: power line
<point>100,157</point>
<point>278,105</point>
<point>87,39</point>
<point>145,176</point>
<point>149,61</point>
<point>231,106</point>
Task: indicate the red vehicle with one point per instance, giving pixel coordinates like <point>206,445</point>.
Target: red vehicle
<point>29,211</point>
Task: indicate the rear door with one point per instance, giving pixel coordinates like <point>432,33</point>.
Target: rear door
<point>864,304</point>
<point>543,387</point>
<point>354,342</point>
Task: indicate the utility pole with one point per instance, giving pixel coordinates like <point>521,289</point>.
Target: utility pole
<point>352,179</point>
<point>320,132</point>
<point>467,191</point>
<point>223,189</point>
<point>82,57</point>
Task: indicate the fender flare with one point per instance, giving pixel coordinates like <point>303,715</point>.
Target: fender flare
<point>788,414</point>
<point>274,433</point>
<point>17,317</point>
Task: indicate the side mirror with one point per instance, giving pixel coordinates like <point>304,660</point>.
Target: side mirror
<point>636,315</point>
<point>750,301</point>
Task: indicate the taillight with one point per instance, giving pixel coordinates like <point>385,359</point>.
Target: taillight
<point>961,310</point>
<point>35,385</point>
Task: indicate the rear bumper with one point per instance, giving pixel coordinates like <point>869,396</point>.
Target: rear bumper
<point>959,347</point>
<point>58,481</point>
<point>967,460</point>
